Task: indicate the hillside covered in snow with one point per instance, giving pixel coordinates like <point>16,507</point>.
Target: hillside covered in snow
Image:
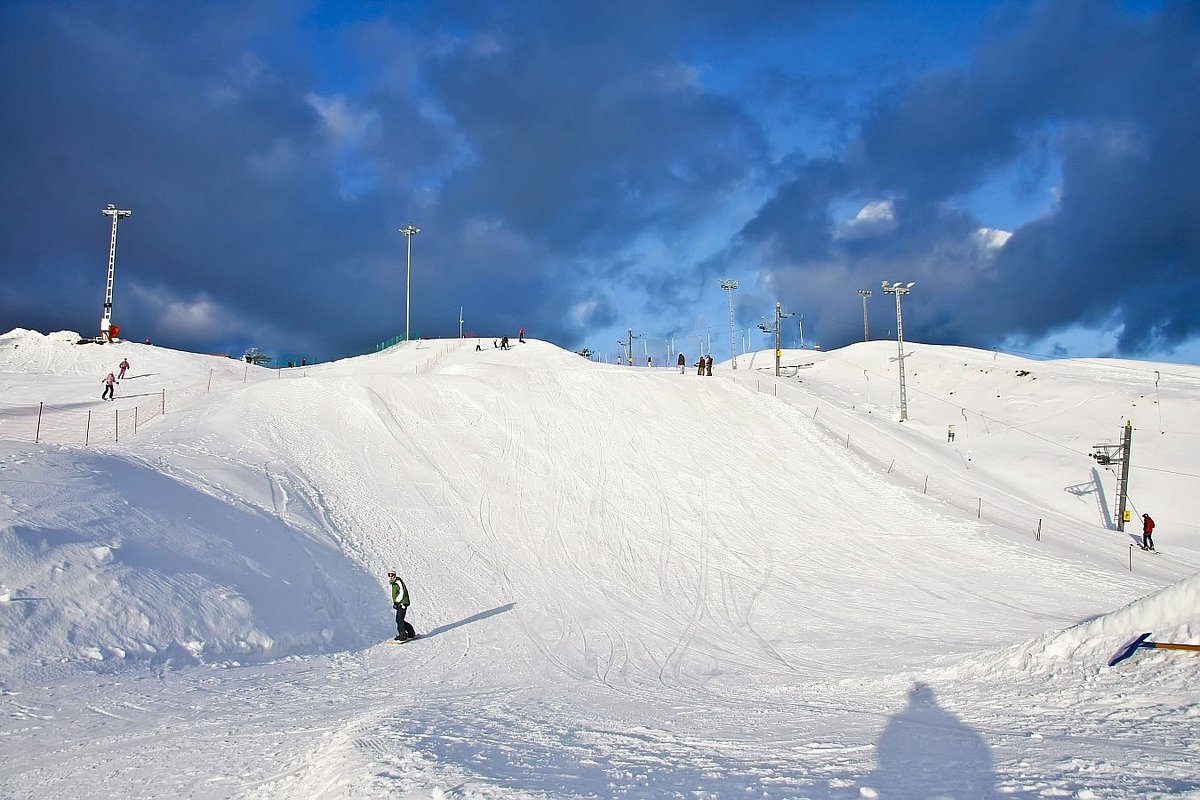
<point>629,582</point>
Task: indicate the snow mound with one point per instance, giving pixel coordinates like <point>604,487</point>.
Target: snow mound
<point>1171,614</point>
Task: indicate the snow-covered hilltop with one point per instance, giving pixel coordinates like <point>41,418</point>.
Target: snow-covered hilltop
<point>630,582</point>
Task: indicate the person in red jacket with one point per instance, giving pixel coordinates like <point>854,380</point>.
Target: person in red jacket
<point>1147,532</point>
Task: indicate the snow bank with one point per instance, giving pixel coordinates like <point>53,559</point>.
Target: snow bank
<point>1170,615</point>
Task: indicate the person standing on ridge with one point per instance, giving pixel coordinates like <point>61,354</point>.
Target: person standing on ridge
<point>404,631</point>
<point>521,336</point>
<point>708,366</point>
<point>682,362</point>
<point>124,365</point>
<point>1147,532</point>
<point>109,382</point>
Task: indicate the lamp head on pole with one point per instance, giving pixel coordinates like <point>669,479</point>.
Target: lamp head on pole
<point>898,288</point>
<point>410,231</point>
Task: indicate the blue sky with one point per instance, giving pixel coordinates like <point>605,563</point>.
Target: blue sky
<point>581,170</point>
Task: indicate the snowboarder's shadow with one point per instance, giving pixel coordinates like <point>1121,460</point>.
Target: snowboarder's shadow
<point>482,615</point>
<point>925,751</point>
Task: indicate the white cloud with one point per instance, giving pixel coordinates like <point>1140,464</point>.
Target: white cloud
<point>874,218</point>
<point>992,238</point>
<point>347,127</point>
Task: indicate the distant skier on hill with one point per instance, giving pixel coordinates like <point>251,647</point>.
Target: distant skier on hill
<point>109,382</point>
<point>682,363</point>
<point>1147,532</point>
<point>124,365</point>
<point>404,631</point>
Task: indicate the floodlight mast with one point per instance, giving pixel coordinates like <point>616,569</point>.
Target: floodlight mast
<point>409,232</point>
<point>864,294</point>
<point>729,286</point>
<point>898,290</point>
<point>106,320</point>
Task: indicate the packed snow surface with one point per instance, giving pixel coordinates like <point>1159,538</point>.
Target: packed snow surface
<point>629,582</point>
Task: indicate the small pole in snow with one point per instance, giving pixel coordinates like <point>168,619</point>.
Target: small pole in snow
<point>1131,556</point>
<point>1039,530</point>
<point>979,513</point>
<point>116,425</point>
<point>926,489</point>
<point>87,430</point>
<point>209,389</point>
<point>164,402</point>
<point>37,432</point>
<point>135,419</point>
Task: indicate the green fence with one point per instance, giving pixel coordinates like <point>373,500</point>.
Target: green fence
<point>284,362</point>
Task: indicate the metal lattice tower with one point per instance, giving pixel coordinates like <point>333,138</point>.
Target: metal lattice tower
<point>729,286</point>
<point>106,320</point>
<point>864,294</point>
<point>899,290</point>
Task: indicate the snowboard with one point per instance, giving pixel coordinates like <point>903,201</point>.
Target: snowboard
<point>1148,549</point>
<point>406,641</point>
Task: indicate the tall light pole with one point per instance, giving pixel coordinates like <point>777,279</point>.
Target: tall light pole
<point>409,233</point>
<point>106,320</point>
<point>864,294</point>
<point>899,290</point>
<point>729,286</point>
<point>779,314</point>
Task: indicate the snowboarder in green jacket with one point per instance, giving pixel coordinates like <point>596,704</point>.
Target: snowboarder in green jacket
<point>404,631</point>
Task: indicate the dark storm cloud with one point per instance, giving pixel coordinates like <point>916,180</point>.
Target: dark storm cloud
<point>224,162</point>
<point>1112,95</point>
<point>571,164</point>
<point>270,152</point>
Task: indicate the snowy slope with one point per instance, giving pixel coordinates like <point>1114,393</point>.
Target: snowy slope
<point>631,582</point>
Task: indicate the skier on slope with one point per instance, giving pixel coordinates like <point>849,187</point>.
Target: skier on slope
<point>404,630</point>
<point>109,382</point>
<point>1147,532</point>
<point>124,365</point>
<point>682,363</point>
